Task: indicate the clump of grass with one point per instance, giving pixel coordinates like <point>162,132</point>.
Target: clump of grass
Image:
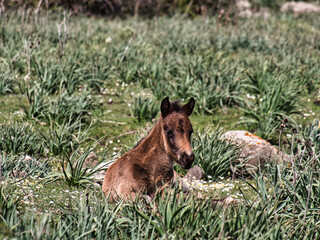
<point>212,83</point>
<point>160,89</point>
<point>292,191</point>
<point>312,135</point>
<point>16,166</point>
<point>8,208</point>
<point>76,170</point>
<point>47,76</point>
<point>7,82</point>
<point>65,106</point>
<point>215,156</point>
<point>38,102</point>
<point>144,107</point>
<point>71,76</point>
<point>70,106</point>
<point>65,138</point>
<point>273,98</point>
<point>20,138</point>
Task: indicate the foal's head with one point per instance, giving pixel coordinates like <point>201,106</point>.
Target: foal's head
<point>177,130</point>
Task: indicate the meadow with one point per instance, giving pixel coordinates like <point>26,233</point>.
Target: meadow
<point>71,85</point>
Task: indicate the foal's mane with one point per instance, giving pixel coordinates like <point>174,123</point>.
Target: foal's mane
<point>175,106</point>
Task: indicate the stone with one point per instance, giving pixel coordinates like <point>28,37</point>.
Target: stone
<point>300,7</point>
<point>91,161</point>
<point>244,8</point>
<point>255,152</point>
<point>98,177</point>
<point>243,5</point>
<point>194,173</point>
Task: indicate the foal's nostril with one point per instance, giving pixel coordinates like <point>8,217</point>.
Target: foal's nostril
<point>188,160</point>
<point>189,157</point>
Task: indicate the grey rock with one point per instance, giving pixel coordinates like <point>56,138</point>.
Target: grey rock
<point>244,8</point>
<point>90,162</point>
<point>300,7</point>
<point>101,168</point>
<point>194,173</point>
<point>255,152</point>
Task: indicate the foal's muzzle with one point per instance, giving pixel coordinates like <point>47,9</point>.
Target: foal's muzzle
<point>187,160</point>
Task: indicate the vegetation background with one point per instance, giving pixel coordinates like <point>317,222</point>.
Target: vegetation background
<point>78,77</point>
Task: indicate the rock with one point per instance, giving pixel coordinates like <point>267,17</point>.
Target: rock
<point>299,7</point>
<point>194,173</point>
<point>245,13</point>
<point>263,13</point>
<point>27,158</point>
<point>229,200</point>
<point>99,175</point>
<point>91,161</point>
<point>254,151</point>
<point>244,8</point>
<point>243,5</point>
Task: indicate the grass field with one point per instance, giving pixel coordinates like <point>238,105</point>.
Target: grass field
<point>70,85</point>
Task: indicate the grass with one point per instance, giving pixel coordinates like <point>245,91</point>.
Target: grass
<point>98,85</point>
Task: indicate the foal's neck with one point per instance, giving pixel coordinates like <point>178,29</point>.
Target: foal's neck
<point>155,156</point>
<point>154,142</point>
<point>154,138</point>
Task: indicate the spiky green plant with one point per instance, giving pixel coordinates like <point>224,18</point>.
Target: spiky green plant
<point>38,102</point>
<point>66,137</point>
<point>7,82</point>
<point>23,166</point>
<point>8,208</point>
<point>77,170</point>
<point>144,107</point>
<point>269,109</point>
<point>216,156</point>
<point>48,76</point>
<point>70,106</point>
<point>20,138</point>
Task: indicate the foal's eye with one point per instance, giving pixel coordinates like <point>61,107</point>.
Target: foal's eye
<point>170,134</point>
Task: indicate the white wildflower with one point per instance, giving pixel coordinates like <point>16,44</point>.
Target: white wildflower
<point>108,39</point>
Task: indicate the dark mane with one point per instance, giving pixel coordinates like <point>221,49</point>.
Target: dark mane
<point>176,107</point>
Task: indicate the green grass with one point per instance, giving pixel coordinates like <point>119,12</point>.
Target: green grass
<point>99,86</point>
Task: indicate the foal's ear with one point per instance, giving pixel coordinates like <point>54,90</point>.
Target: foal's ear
<point>165,107</point>
<point>188,107</point>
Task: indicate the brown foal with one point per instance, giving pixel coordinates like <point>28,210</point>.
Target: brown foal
<point>150,164</point>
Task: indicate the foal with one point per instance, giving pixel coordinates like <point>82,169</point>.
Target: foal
<point>150,164</point>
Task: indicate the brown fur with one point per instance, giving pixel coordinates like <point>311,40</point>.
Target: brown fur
<point>150,164</point>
